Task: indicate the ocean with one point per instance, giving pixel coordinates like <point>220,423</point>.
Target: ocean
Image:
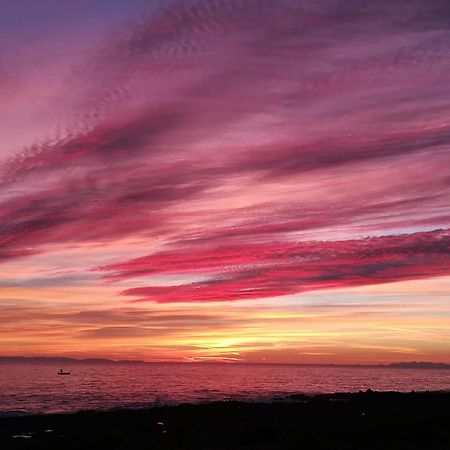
<point>37,388</point>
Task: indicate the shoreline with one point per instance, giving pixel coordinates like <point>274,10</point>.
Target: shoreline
<point>362,420</point>
<point>288,398</point>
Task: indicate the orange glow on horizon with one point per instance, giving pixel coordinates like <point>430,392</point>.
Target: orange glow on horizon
<point>314,329</point>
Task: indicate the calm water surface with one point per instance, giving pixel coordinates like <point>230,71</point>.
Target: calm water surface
<point>37,388</point>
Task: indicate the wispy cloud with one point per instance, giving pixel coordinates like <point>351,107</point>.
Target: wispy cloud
<point>266,147</point>
<point>271,270</point>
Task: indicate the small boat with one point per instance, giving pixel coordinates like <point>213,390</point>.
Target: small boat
<point>61,372</point>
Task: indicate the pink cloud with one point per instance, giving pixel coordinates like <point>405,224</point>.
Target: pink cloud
<point>267,270</point>
<point>242,123</point>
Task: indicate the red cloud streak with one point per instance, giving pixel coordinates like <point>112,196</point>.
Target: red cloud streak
<point>269,270</point>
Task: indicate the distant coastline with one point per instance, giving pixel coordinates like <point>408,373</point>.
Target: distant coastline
<point>67,360</point>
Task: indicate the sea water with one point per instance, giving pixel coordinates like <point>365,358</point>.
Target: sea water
<point>37,388</point>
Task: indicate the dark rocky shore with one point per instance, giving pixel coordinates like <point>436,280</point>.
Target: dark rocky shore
<point>369,420</point>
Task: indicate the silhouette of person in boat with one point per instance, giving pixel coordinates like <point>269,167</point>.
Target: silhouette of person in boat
<point>61,372</point>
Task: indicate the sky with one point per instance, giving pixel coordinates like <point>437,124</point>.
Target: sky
<point>225,180</point>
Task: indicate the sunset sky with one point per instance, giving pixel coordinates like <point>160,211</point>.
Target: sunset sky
<point>225,180</point>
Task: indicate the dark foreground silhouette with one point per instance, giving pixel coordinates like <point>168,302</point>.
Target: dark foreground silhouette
<point>369,420</point>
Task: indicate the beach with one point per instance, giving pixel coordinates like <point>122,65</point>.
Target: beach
<point>364,420</point>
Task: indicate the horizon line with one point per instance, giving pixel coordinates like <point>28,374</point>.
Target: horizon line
<point>225,362</point>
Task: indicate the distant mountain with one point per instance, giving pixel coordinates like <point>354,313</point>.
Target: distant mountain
<point>419,365</point>
<point>64,360</point>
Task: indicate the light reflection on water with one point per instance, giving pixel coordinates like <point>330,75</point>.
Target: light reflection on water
<point>37,387</point>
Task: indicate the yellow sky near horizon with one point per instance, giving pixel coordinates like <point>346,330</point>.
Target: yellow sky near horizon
<point>402,321</point>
